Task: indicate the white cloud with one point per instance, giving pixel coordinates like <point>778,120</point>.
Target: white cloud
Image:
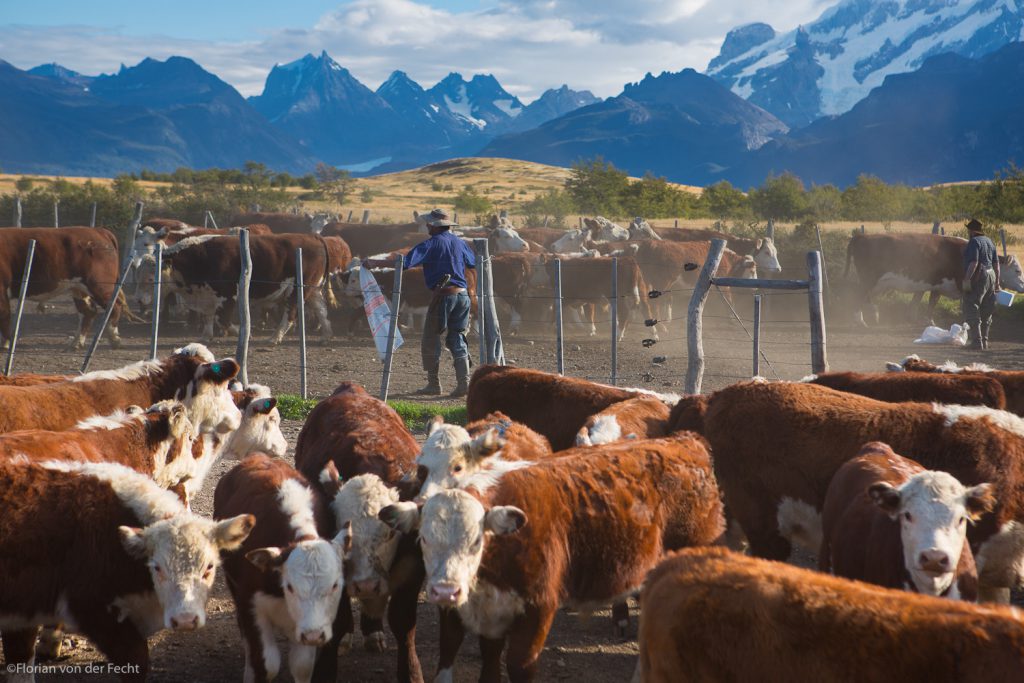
<point>529,45</point>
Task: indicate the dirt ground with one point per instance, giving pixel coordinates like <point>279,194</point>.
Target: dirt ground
<point>577,647</point>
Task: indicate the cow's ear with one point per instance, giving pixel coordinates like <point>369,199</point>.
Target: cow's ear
<point>265,559</point>
<point>979,500</point>
<point>219,371</point>
<point>134,541</point>
<point>162,232</point>
<point>504,519</point>
<point>231,533</point>
<point>263,406</point>
<point>758,244</point>
<point>487,444</point>
<point>435,424</point>
<point>404,517</point>
<point>887,497</point>
<point>583,437</point>
<point>330,479</point>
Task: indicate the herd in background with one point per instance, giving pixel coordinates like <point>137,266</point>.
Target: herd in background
<point>558,492</point>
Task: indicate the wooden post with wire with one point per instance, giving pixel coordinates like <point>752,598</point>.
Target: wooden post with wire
<point>92,216</point>
<point>816,309</point>
<point>22,293</point>
<point>209,215</point>
<point>396,301</point>
<point>56,213</point>
<point>695,318</point>
<point>615,321</point>
<point>16,221</point>
<point>756,369</point>
<point>821,250</point>
<point>154,338</point>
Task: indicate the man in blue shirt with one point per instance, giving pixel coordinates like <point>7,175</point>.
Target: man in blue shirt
<point>444,258</point>
<point>981,282</point>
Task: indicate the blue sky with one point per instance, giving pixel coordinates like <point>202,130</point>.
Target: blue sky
<point>529,45</point>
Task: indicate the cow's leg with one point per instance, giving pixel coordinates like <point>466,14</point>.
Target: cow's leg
<point>100,295</point>
<point>51,642</point>
<point>620,618</point>
<point>402,620</point>
<point>345,624</point>
<point>758,517</point>
<point>526,641</point>
<point>319,306</point>
<point>371,623</point>
<point>287,320</point>
<point>268,644</point>
<point>490,659</point>
<point>590,310</point>
<point>452,633</point>
<point>252,643</point>
<point>933,299</point>
<point>5,318</point>
<point>20,648</point>
<point>119,641</point>
<point>86,316</point>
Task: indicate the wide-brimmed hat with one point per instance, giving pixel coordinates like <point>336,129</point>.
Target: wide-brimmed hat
<point>438,218</point>
<point>974,225</point>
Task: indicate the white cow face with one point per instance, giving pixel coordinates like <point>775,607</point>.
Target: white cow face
<point>570,243</point>
<point>450,457</point>
<point>145,243</point>
<point>259,431</point>
<point>767,256</point>
<point>318,221</point>
<point>507,240</point>
<point>210,405</point>
<point>374,543</point>
<point>311,581</point>
<point>183,553</point>
<point>603,230</point>
<point>1010,273</point>
<point>933,509</point>
<point>453,529</point>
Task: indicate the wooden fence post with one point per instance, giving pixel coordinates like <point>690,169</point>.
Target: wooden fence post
<point>581,222</point>
<point>695,315</point>
<point>559,331</point>
<point>816,309</point>
<point>396,301</point>
<point>92,216</point>
<point>821,250</point>
<point>56,213</point>
<point>300,304</point>
<point>21,306</point>
<point>615,321</point>
<point>366,216</point>
<point>1002,237</point>
<point>756,369</point>
<point>154,338</point>
<point>349,219</point>
<point>244,320</point>
<point>935,228</point>
<point>677,223</point>
<point>493,351</point>
<point>206,219</point>
<point>17,212</point>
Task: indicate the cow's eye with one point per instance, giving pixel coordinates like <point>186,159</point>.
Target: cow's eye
<point>290,589</point>
<point>334,587</point>
<point>908,517</point>
<point>457,468</point>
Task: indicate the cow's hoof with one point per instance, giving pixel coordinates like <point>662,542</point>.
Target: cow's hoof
<point>374,642</point>
<point>345,645</point>
<point>622,629</point>
<point>74,344</point>
<point>115,342</point>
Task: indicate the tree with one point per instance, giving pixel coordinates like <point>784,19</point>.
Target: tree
<point>781,198</point>
<point>468,201</point>
<point>869,199</point>
<point>23,184</point>
<point>597,187</point>
<point>549,208</point>
<point>722,200</point>
<point>336,183</point>
<point>824,202</point>
<point>654,197</point>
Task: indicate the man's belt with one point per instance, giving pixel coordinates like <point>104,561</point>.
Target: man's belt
<point>452,289</point>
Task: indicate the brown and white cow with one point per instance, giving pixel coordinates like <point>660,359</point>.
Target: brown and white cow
<point>189,375</point>
<point>520,442</point>
<point>169,232</point>
<point>122,559</point>
<point>1012,381</point>
<point>365,240</point>
<point>710,614</point>
<point>916,264</point>
<point>587,281</point>
<point>82,262</point>
<point>29,379</point>
<point>894,388</point>
<point>891,522</point>
<point>642,417</point>
<point>762,250</point>
<point>780,444</point>
<point>284,222</point>
<point>575,529</point>
<point>286,578</point>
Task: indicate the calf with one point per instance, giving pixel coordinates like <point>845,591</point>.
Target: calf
<point>287,577</point>
<point>122,559</point>
<point>588,281</point>
<point>190,375</point>
<point>589,528</point>
<point>710,614</point>
<point>1012,381</point>
<point>894,388</point>
<point>520,442</point>
<point>643,417</point>
<point>780,444</point>
<point>550,404</point>
<point>889,521</point>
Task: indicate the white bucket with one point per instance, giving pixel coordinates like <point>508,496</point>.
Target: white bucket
<point>1004,297</point>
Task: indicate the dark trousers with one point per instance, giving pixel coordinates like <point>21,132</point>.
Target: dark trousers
<point>979,303</point>
<point>447,318</point>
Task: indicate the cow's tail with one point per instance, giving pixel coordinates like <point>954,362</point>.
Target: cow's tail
<point>126,310</point>
<point>327,289</point>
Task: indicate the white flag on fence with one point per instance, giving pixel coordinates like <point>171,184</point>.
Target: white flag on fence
<point>378,313</point>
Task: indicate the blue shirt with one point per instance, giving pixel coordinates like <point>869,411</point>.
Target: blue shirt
<point>980,249</point>
<point>443,254</point>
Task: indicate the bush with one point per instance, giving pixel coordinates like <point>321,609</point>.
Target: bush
<point>468,201</point>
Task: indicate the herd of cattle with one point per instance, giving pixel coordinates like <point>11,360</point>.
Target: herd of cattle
<point>907,485</point>
<point>201,268</point>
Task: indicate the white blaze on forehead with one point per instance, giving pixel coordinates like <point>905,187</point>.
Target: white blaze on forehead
<point>296,503</point>
<point>211,407</point>
<point>258,431</point>
<point>449,455</point>
<point>767,256</point>
<point>374,543</point>
<point>1000,418</point>
<point>452,536</point>
<point>311,578</point>
<point>195,350</point>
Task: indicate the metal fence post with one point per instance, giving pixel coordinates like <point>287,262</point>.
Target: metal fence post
<point>212,221</point>
<point>300,304</point>
<point>244,321</point>
<point>396,300</point>
<point>56,213</point>
<point>481,332</point>
<point>492,351</point>
<point>559,332</point>
<point>106,316</point>
<point>21,306</point>
<point>615,320</point>
<point>206,218</point>
<point>154,338</point>
<point>695,318</point>
<point>757,336</point>
<point>816,308</point>
<point>17,212</point>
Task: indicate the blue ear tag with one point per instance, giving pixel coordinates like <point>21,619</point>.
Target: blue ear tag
<point>267,404</point>
<point>216,368</point>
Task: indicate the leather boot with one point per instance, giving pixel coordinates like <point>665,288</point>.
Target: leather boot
<point>433,387</point>
<point>974,337</point>
<point>985,327</point>
<point>461,377</point>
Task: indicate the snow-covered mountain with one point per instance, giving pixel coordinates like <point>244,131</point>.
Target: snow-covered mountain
<point>550,105</point>
<point>827,66</point>
<point>479,102</point>
<point>55,70</point>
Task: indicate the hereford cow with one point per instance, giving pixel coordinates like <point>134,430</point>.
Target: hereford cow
<point>710,614</point>
<point>588,281</point>
<point>889,521</point>
<point>642,417</point>
<point>152,233</point>
<point>284,222</point>
<point>777,447</point>
<point>1011,381</point>
<point>28,379</point>
<point>520,442</point>
<point>82,262</point>
<point>362,435</point>
<point>579,529</point>
<point>550,404</point>
<point>190,375</point>
<point>286,578</point>
<point>894,388</point>
<point>512,274</point>
<point>365,240</point>
<point>603,230</point>
<point>762,250</point>
<point>122,559</point>
<point>917,264</point>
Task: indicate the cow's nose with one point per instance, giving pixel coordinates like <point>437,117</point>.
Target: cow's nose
<point>316,637</point>
<point>365,588</point>
<point>444,593</point>
<point>934,561</point>
<point>185,622</point>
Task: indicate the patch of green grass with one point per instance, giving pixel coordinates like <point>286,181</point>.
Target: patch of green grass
<point>415,415</point>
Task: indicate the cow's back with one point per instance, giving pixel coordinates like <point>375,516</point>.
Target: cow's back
<point>919,258</point>
<point>918,387</point>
